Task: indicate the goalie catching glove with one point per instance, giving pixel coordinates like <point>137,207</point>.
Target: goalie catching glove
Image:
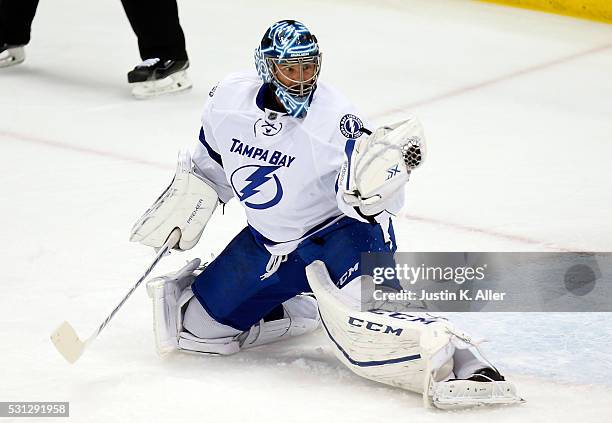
<point>379,165</point>
<point>187,204</point>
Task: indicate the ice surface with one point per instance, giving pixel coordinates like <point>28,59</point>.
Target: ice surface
<point>517,110</point>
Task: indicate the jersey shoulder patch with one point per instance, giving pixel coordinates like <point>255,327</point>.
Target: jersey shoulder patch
<point>351,126</point>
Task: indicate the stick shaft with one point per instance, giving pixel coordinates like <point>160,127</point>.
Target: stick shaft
<point>170,242</point>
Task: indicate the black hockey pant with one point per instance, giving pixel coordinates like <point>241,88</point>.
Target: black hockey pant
<point>156,24</point>
<point>16,21</point>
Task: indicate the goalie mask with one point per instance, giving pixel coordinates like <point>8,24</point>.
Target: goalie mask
<point>288,57</point>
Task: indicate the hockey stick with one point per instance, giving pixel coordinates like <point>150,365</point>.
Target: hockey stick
<point>65,338</point>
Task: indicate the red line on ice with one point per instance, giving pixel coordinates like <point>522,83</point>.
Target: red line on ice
<point>503,78</point>
<point>111,155</point>
<point>80,149</point>
<point>490,232</point>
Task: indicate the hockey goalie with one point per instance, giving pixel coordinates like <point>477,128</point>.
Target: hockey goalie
<point>319,187</point>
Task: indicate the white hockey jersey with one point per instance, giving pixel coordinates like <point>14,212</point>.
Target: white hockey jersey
<point>283,170</point>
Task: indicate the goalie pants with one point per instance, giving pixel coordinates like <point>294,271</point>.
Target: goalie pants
<point>16,18</point>
<point>230,288</point>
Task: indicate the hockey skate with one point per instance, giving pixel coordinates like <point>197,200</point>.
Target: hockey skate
<point>158,76</point>
<point>485,387</point>
<point>11,55</point>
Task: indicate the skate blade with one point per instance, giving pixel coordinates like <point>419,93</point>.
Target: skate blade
<point>178,81</point>
<point>474,404</point>
<point>455,405</point>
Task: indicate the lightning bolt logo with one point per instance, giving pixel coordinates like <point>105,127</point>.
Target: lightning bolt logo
<point>256,179</point>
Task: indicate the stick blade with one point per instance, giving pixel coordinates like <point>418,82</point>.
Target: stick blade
<point>67,342</point>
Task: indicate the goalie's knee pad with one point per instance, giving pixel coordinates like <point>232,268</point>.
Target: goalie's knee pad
<point>414,352</point>
<point>300,316</point>
<point>198,322</point>
<point>204,334</point>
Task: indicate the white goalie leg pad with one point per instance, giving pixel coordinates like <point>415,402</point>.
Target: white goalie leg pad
<point>372,345</point>
<point>187,204</point>
<point>205,335</point>
<point>411,351</point>
<point>177,81</point>
<point>169,294</point>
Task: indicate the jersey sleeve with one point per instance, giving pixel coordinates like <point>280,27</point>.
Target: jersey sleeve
<point>345,208</point>
<point>206,158</point>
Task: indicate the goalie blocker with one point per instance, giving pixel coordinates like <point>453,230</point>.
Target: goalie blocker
<point>423,354</point>
<point>187,204</point>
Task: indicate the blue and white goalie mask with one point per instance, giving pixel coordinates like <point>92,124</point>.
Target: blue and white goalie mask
<point>288,57</point>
